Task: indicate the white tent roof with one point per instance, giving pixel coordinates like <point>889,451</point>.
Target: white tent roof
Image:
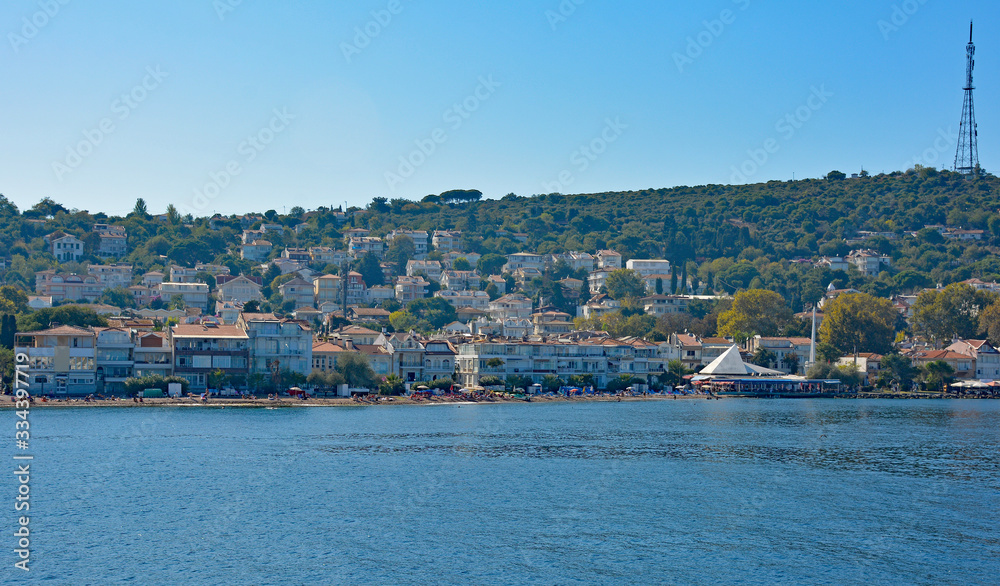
<point>731,364</point>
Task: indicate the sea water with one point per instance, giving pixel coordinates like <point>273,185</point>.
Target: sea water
<point>685,492</point>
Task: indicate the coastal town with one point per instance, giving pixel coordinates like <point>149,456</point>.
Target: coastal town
<point>438,318</point>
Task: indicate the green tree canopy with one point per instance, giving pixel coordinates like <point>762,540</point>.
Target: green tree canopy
<point>858,322</point>
<point>356,370</point>
<point>625,284</point>
<point>755,311</point>
<point>400,251</point>
<point>951,312</point>
<point>491,264</point>
<point>64,315</point>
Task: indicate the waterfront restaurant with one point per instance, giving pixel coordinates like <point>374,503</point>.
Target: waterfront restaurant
<point>729,375</point>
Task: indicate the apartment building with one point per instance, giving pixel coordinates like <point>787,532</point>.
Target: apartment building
<point>70,287</point>
<point>410,288</point>
<point>202,349</point>
<point>114,359</point>
<point>112,276</point>
<point>61,361</point>
<point>276,343</point>
<point>419,237</point>
<point>447,240</point>
<point>193,294</point>
<point>648,267</point>
<point>431,268</point>
<point>113,241</point>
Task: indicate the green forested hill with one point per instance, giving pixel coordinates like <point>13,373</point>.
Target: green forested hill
<point>729,237</point>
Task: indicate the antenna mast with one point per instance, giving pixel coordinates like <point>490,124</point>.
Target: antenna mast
<point>967,156</point>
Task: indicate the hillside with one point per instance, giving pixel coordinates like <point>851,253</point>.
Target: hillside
<point>729,237</point>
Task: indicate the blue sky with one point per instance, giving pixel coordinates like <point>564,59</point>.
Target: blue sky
<point>233,106</point>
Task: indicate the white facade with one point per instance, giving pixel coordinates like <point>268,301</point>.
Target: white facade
<point>648,267</point>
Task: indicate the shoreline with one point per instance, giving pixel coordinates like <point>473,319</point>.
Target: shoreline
<point>287,402</point>
<point>377,401</point>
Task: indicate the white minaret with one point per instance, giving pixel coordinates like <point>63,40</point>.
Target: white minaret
<point>812,341</point>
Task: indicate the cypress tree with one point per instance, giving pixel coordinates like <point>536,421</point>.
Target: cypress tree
<point>684,277</point>
<point>8,328</point>
<point>673,279</point>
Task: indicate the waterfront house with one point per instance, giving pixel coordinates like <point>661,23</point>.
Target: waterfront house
<point>276,343</point>
<point>61,360</point>
<point>202,349</point>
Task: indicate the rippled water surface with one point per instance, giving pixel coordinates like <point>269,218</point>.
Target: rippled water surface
<point>686,492</point>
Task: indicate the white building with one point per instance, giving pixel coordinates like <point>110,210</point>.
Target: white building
<point>513,305</point>
<point>277,343</point>
<point>474,299</point>
<point>193,294</point>
<point>648,267</point>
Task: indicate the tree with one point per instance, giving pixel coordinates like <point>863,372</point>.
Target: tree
<point>675,373</point>
<point>434,310</point>
<point>755,311</point>
<point>826,352</point>
<point>66,315</point>
<point>625,284</point>
<point>552,383</point>
<point>858,322</point>
<point>791,362</point>
<point>989,323</point>
<point>8,330</point>
<point>659,286</point>
<point>140,208</point>
<point>491,264</point>
<point>493,291</point>
<point>370,269</point>
<point>400,251</point>
<point>764,357</point>
<point>7,362</point>
<point>847,375</point>
<point>836,176</point>
<point>516,381</point>
<point>119,297</point>
<point>951,312</point>
<point>392,385</point>
<point>936,375</point>
<point>896,369</point>
<point>462,264</point>
<point>252,306</point>
<point>17,299</point>
<point>356,371</point>
<point>173,216</point>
